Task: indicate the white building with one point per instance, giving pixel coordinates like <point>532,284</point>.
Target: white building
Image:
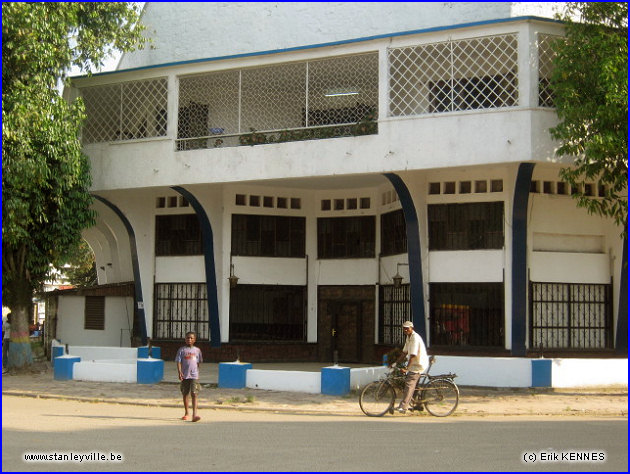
<point>391,139</point>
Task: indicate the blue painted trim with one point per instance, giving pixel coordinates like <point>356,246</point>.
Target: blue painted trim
<point>335,381</point>
<point>233,374</point>
<point>621,341</point>
<point>332,43</point>
<point>413,251</point>
<point>141,317</point>
<point>541,373</point>
<point>208,253</point>
<point>519,258</point>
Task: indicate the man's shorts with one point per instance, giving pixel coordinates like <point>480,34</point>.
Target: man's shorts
<point>190,386</point>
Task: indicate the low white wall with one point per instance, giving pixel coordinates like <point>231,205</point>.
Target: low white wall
<point>360,377</point>
<point>284,380</point>
<point>101,353</point>
<point>588,372</point>
<point>91,371</point>
<point>486,371</point>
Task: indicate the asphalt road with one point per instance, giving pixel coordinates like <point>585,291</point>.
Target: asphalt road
<point>155,439</point>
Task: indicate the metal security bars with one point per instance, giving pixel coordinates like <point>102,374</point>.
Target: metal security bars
<point>393,233</point>
<point>546,55</point>
<point>268,313</point>
<point>467,314</point>
<point>394,309</point>
<point>475,73</point>
<point>573,316</point>
<point>469,226</point>
<point>216,109</point>
<point>125,111</point>
<point>179,308</point>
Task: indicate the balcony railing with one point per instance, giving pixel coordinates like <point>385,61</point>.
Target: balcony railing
<point>287,102</point>
<point>324,98</point>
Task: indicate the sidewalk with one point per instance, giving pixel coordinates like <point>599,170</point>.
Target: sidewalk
<point>474,401</point>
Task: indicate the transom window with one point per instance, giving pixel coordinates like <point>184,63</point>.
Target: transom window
<point>346,237</point>
<point>469,226</point>
<point>177,235</point>
<point>393,233</point>
<point>268,236</point>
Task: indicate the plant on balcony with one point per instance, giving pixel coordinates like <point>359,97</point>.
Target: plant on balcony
<point>366,126</point>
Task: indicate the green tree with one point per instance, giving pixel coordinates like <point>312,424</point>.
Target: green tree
<point>45,176</point>
<point>81,266</point>
<point>590,89</point>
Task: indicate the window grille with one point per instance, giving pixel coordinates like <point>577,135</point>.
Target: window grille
<point>346,237</point>
<point>125,111</point>
<point>393,233</point>
<point>467,314</point>
<point>452,76</point>
<point>216,108</point>
<point>268,236</point>
<point>574,316</point>
<point>94,312</point>
<point>546,55</point>
<point>468,226</point>
<point>180,308</point>
<point>394,309</point>
<point>268,313</point>
<point>177,235</point>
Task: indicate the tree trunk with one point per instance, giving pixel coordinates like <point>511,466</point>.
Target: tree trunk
<point>20,354</point>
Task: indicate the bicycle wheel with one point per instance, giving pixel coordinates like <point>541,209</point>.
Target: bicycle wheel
<point>377,398</point>
<point>441,397</point>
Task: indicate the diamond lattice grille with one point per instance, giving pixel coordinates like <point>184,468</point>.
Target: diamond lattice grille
<point>546,55</point>
<point>215,108</point>
<point>452,76</point>
<point>125,111</point>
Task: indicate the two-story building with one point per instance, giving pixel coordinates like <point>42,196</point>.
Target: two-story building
<point>292,181</point>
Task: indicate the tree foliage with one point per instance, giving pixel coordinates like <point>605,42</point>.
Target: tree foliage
<point>590,90</point>
<point>80,268</point>
<point>45,176</point>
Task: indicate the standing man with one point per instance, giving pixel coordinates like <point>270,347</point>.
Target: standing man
<point>417,362</point>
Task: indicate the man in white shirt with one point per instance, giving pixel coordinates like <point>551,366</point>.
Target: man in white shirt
<point>418,361</point>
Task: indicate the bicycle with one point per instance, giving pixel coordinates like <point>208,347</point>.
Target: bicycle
<point>439,394</point>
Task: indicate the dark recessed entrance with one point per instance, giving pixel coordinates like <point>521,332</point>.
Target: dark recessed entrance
<point>346,323</point>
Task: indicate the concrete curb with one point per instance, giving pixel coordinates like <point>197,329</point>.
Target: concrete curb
<point>460,413</point>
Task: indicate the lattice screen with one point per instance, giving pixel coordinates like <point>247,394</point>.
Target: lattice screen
<point>125,111</point>
<point>456,75</point>
<point>216,107</point>
<point>546,56</point>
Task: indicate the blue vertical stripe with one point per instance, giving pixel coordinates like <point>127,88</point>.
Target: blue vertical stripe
<point>208,253</point>
<point>140,315</point>
<point>413,250</point>
<point>519,258</point>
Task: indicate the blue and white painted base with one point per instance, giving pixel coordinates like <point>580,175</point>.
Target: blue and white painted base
<point>64,367</point>
<point>335,380</point>
<point>233,374</point>
<point>107,364</point>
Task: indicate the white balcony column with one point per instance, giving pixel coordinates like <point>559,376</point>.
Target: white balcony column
<point>172,107</point>
<point>527,67</point>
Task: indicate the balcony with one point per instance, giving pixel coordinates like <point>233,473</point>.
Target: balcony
<point>324,98</point>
